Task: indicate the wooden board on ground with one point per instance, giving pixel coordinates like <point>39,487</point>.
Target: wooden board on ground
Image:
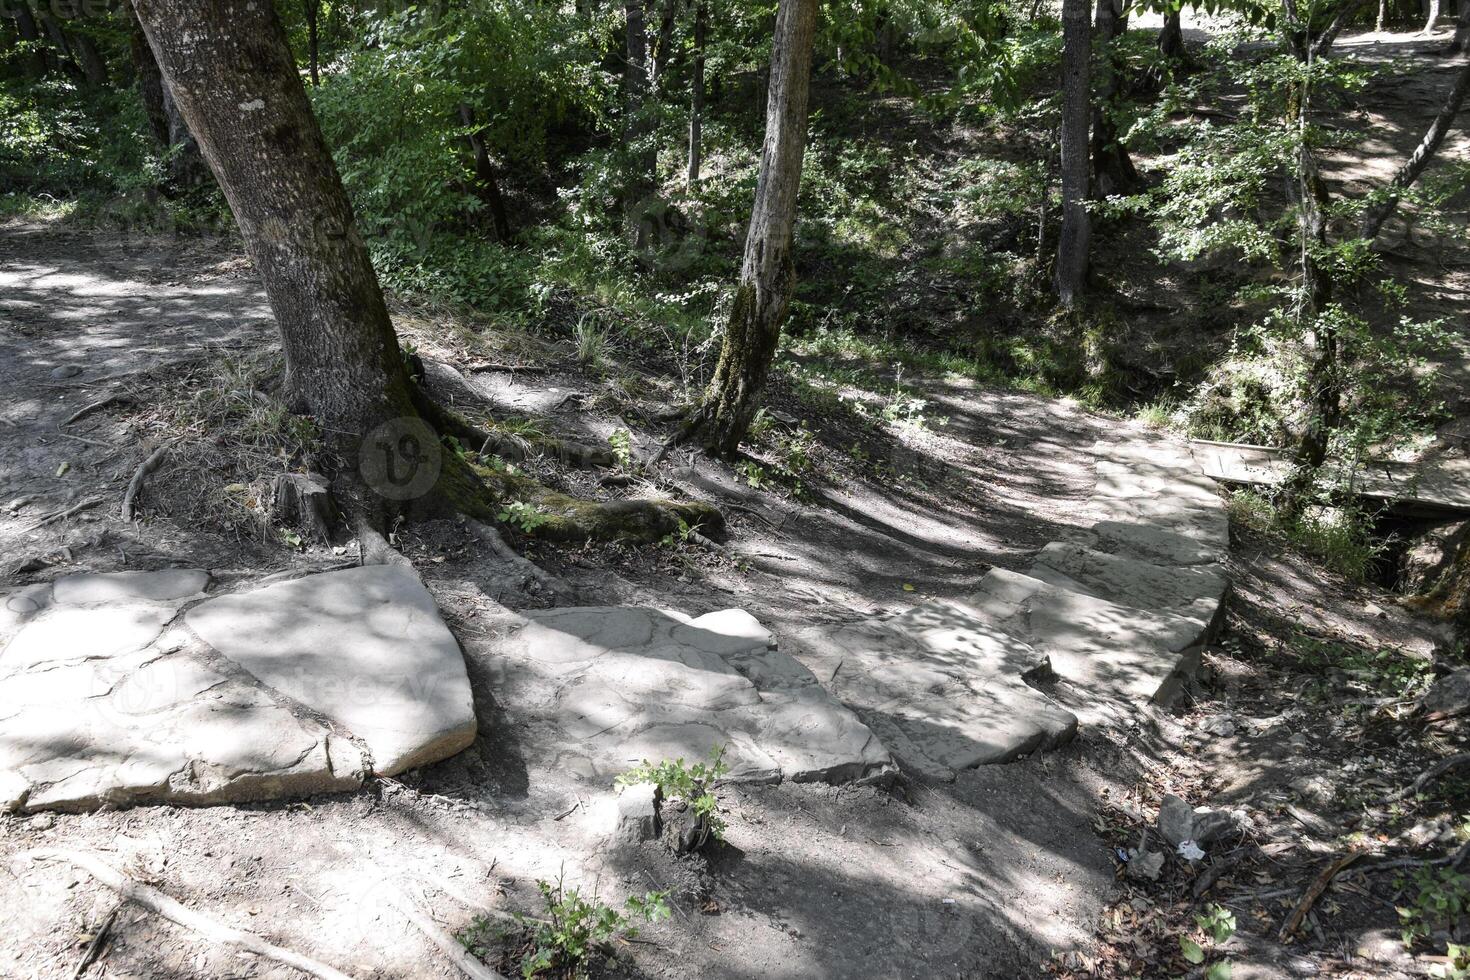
<point>1437,485</point>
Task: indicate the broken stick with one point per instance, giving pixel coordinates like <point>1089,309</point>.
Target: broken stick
<point>1314,891</point>
<point>136,483</point>
<point>156,901</point>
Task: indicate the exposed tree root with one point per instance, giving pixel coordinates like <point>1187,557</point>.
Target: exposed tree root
<point>149,464</point>
<point>491,537</point>
<point>447,944</point>
<point>154,900</point>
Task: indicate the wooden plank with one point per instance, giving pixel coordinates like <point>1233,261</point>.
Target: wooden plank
<point>1441,484</point>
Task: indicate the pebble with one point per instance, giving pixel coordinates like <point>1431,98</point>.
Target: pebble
<point>65,371</point>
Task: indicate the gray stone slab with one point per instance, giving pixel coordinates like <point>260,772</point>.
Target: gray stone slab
<point>1103,648</point>
<point>104,705</point>
<point>363,646</point>
<point>618,684</point>
<point>940,686</point>
<point>1193,591</point>
<point>94,587</point>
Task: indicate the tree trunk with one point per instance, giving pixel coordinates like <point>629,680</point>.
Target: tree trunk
<point>313,40</point>
<point>642,156</point>
<point>234,80</point>
<point>664,44</point>
<point>1461,43</point>
<point>186,166</point>
<point>1171,37</point>
<point>1431,20</point>
<point>1072,250</point>
<point>94,66</point>
<point>30,33</point>
<point>59,41</point>
<point>696,96</point>
<point>1382,20</point>
<point>150,80</point>
<point>1379,212</point>
<point>767,275</point>
<point>487,188</point>
<point>1113,169</point>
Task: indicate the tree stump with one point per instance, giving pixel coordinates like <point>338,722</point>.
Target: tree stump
<point>304,501</point>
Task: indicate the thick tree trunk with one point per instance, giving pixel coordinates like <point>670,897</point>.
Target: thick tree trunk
<point>62,44</point>
<point>696,96</point>
<point>767,275</point>
<point>234,80</point>
<point>1379,212</point>
<point>1171,37</point>
<point>487,187</point>
<point>186,165</point>
<point>663,47</point>
<point>1072,250</point>
<point>1113,169</point>
<point>94,66</point>
<point>1382,21</point>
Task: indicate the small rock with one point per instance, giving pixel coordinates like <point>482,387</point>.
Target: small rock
<point>42,821</point>
<point>1212,825</point>
<point>1449,696</point>
<point>636,816</point>
<point>1145,865</point>
<point>1176,820</point>
<point>1191,851</point>
<point>1220,725</point>
<point>1299,742</point>
<point>65,371</point>
<point>1374,610</point>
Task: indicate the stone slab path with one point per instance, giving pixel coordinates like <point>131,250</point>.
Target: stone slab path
<point>111,694</point>
<point>1116,615</point>
<point>599,689</point>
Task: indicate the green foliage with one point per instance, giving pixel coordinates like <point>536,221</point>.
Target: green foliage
<point>1383,671</point>
<point>1438,897</point>
<point>621,443</point>
<point>692,785</point>
<point>575,929</point>
<point>522,516</point>
<point>681,536</point>
<point>1215,925</point>
<point>1457,966</point>
<point>1342,539</point>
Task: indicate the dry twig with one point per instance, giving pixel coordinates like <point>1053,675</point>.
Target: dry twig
<point>149,464</point>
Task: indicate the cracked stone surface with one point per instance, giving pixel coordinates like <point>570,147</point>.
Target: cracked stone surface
<point>602,688</point>
<point>365,647</point>
<point>941,686</point>
<point>102,702</point>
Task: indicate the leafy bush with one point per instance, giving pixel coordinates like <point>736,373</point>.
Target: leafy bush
<point>693,786</point>
<point>576,929</point>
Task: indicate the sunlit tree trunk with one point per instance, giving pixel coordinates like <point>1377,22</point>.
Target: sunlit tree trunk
<point>1431,18</point>
<point>1072,250</point>
<point>767,275</point>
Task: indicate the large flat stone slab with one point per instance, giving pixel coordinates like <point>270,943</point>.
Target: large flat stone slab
<point>1194,591</point>
<point>365,647</point>
<point>605,687</point>
<point>940,685</point>
<point>1104,649</point>
<point>102,703</point>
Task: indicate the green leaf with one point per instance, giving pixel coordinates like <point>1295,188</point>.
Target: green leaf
<point>1192,950</point>
<point>1219,971</point>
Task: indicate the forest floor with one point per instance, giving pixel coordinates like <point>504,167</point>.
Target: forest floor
<point>1302,721</point>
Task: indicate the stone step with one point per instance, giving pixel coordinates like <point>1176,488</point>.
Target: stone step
<point>941,686</point>
<point>1194,591</point>
<point>1104,649</point>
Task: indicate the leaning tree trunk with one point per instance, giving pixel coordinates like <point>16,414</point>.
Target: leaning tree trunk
<point>767,275</point>
<point>696,96</point>
<point>643,157</point>
<point>233,78</point>
<point>1171,37</point>
<point>1388,200</point>
<point>487,187</point>
<point>150,79</point>
<point>1382,21</point>
<point>1113,168</point>
<point>1071,271</point>
<point>30,33</point>
<point>94,66</point>
<point>1431,19</point>
<point>62,43</point>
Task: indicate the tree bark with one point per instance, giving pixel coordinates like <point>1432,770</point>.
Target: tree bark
<point>234,80</point>
<point>64,55</point>
<point>1171,37</point>
<point>664,44</point>
<point>1431,20</point>
<point>696,95</point>
<point>94,66</point>
<point>186,166</point>
<point>1376,214</point>
<point>767,275</point>
<point>643,158</point>
<point>1461,43</point>
<point>1382,20</point>
<point>487,187</point>
<point>1113,169</point>
<point>1072,250</point>
<point>30,33</point>
<point>150,79</point>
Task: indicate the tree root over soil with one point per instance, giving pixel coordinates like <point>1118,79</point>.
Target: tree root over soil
<point>156,901</point>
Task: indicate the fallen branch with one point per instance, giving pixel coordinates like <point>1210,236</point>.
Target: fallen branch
<point>94,948</point>
<point>63,514</point>
<point>486,366</point>
<point>1428,776</point>
<point>148,465</point>
<point>155,901</point>
<point>447,944</point>
<point>1314,891</point>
